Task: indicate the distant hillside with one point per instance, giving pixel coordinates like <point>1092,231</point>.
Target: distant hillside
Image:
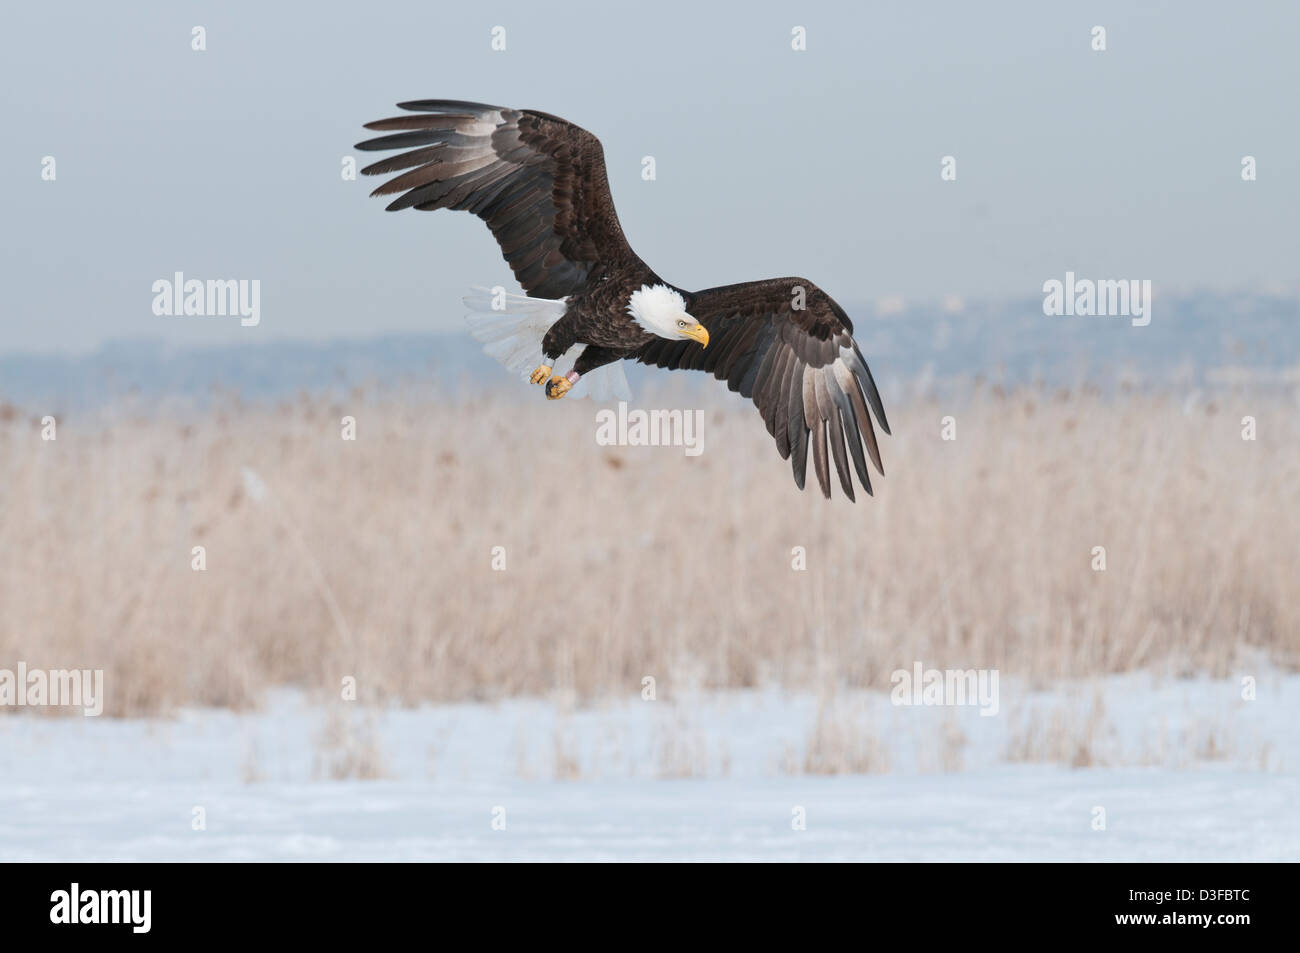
<point>1190,341</point>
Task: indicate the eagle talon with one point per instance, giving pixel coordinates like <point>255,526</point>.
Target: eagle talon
<point>540,375</point>
<point>557,387</point>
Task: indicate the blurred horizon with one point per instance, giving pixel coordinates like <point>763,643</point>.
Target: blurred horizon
<point>1203,340</point>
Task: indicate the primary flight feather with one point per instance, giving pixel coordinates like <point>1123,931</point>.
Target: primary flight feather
<point>539,183</point>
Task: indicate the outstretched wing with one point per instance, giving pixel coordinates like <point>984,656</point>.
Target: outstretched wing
<point>538,181</point>
<point>787,345</point>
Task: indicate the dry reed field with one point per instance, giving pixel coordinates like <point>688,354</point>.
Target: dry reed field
<point>374,558</point>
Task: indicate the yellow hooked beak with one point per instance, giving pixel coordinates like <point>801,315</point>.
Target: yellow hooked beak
<point>698,332</point>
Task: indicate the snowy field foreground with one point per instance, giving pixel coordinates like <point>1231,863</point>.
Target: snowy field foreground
<point>1183,769</point>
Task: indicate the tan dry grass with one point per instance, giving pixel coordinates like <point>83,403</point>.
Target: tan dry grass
<point>627,562</point>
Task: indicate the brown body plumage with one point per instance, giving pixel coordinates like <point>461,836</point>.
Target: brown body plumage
<point>539,183</point>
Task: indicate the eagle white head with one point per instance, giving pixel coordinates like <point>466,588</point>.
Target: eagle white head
<point>662,311</point>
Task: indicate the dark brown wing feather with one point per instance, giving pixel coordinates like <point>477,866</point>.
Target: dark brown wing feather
<point>537,181</point>
<point>800,366</point>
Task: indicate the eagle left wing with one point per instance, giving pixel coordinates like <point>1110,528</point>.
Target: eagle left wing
<point>800,366</point>
<point>537,180</point>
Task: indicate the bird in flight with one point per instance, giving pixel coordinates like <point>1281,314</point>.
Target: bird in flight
<point>590,303</point>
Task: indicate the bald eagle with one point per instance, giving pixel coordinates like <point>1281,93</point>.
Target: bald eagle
<point>590,303</point>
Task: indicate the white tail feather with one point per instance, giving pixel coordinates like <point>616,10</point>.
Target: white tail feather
<point>513,336</point>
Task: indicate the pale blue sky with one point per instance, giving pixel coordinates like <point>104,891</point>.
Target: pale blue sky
<point>825,163</point>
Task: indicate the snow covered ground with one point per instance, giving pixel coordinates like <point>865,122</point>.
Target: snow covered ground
<point>1183,770</point>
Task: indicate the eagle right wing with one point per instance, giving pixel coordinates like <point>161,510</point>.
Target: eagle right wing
<point>785,344</point>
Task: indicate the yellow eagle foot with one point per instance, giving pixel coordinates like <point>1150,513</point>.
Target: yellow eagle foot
<point>557,387</point>
<point>540,375</point>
